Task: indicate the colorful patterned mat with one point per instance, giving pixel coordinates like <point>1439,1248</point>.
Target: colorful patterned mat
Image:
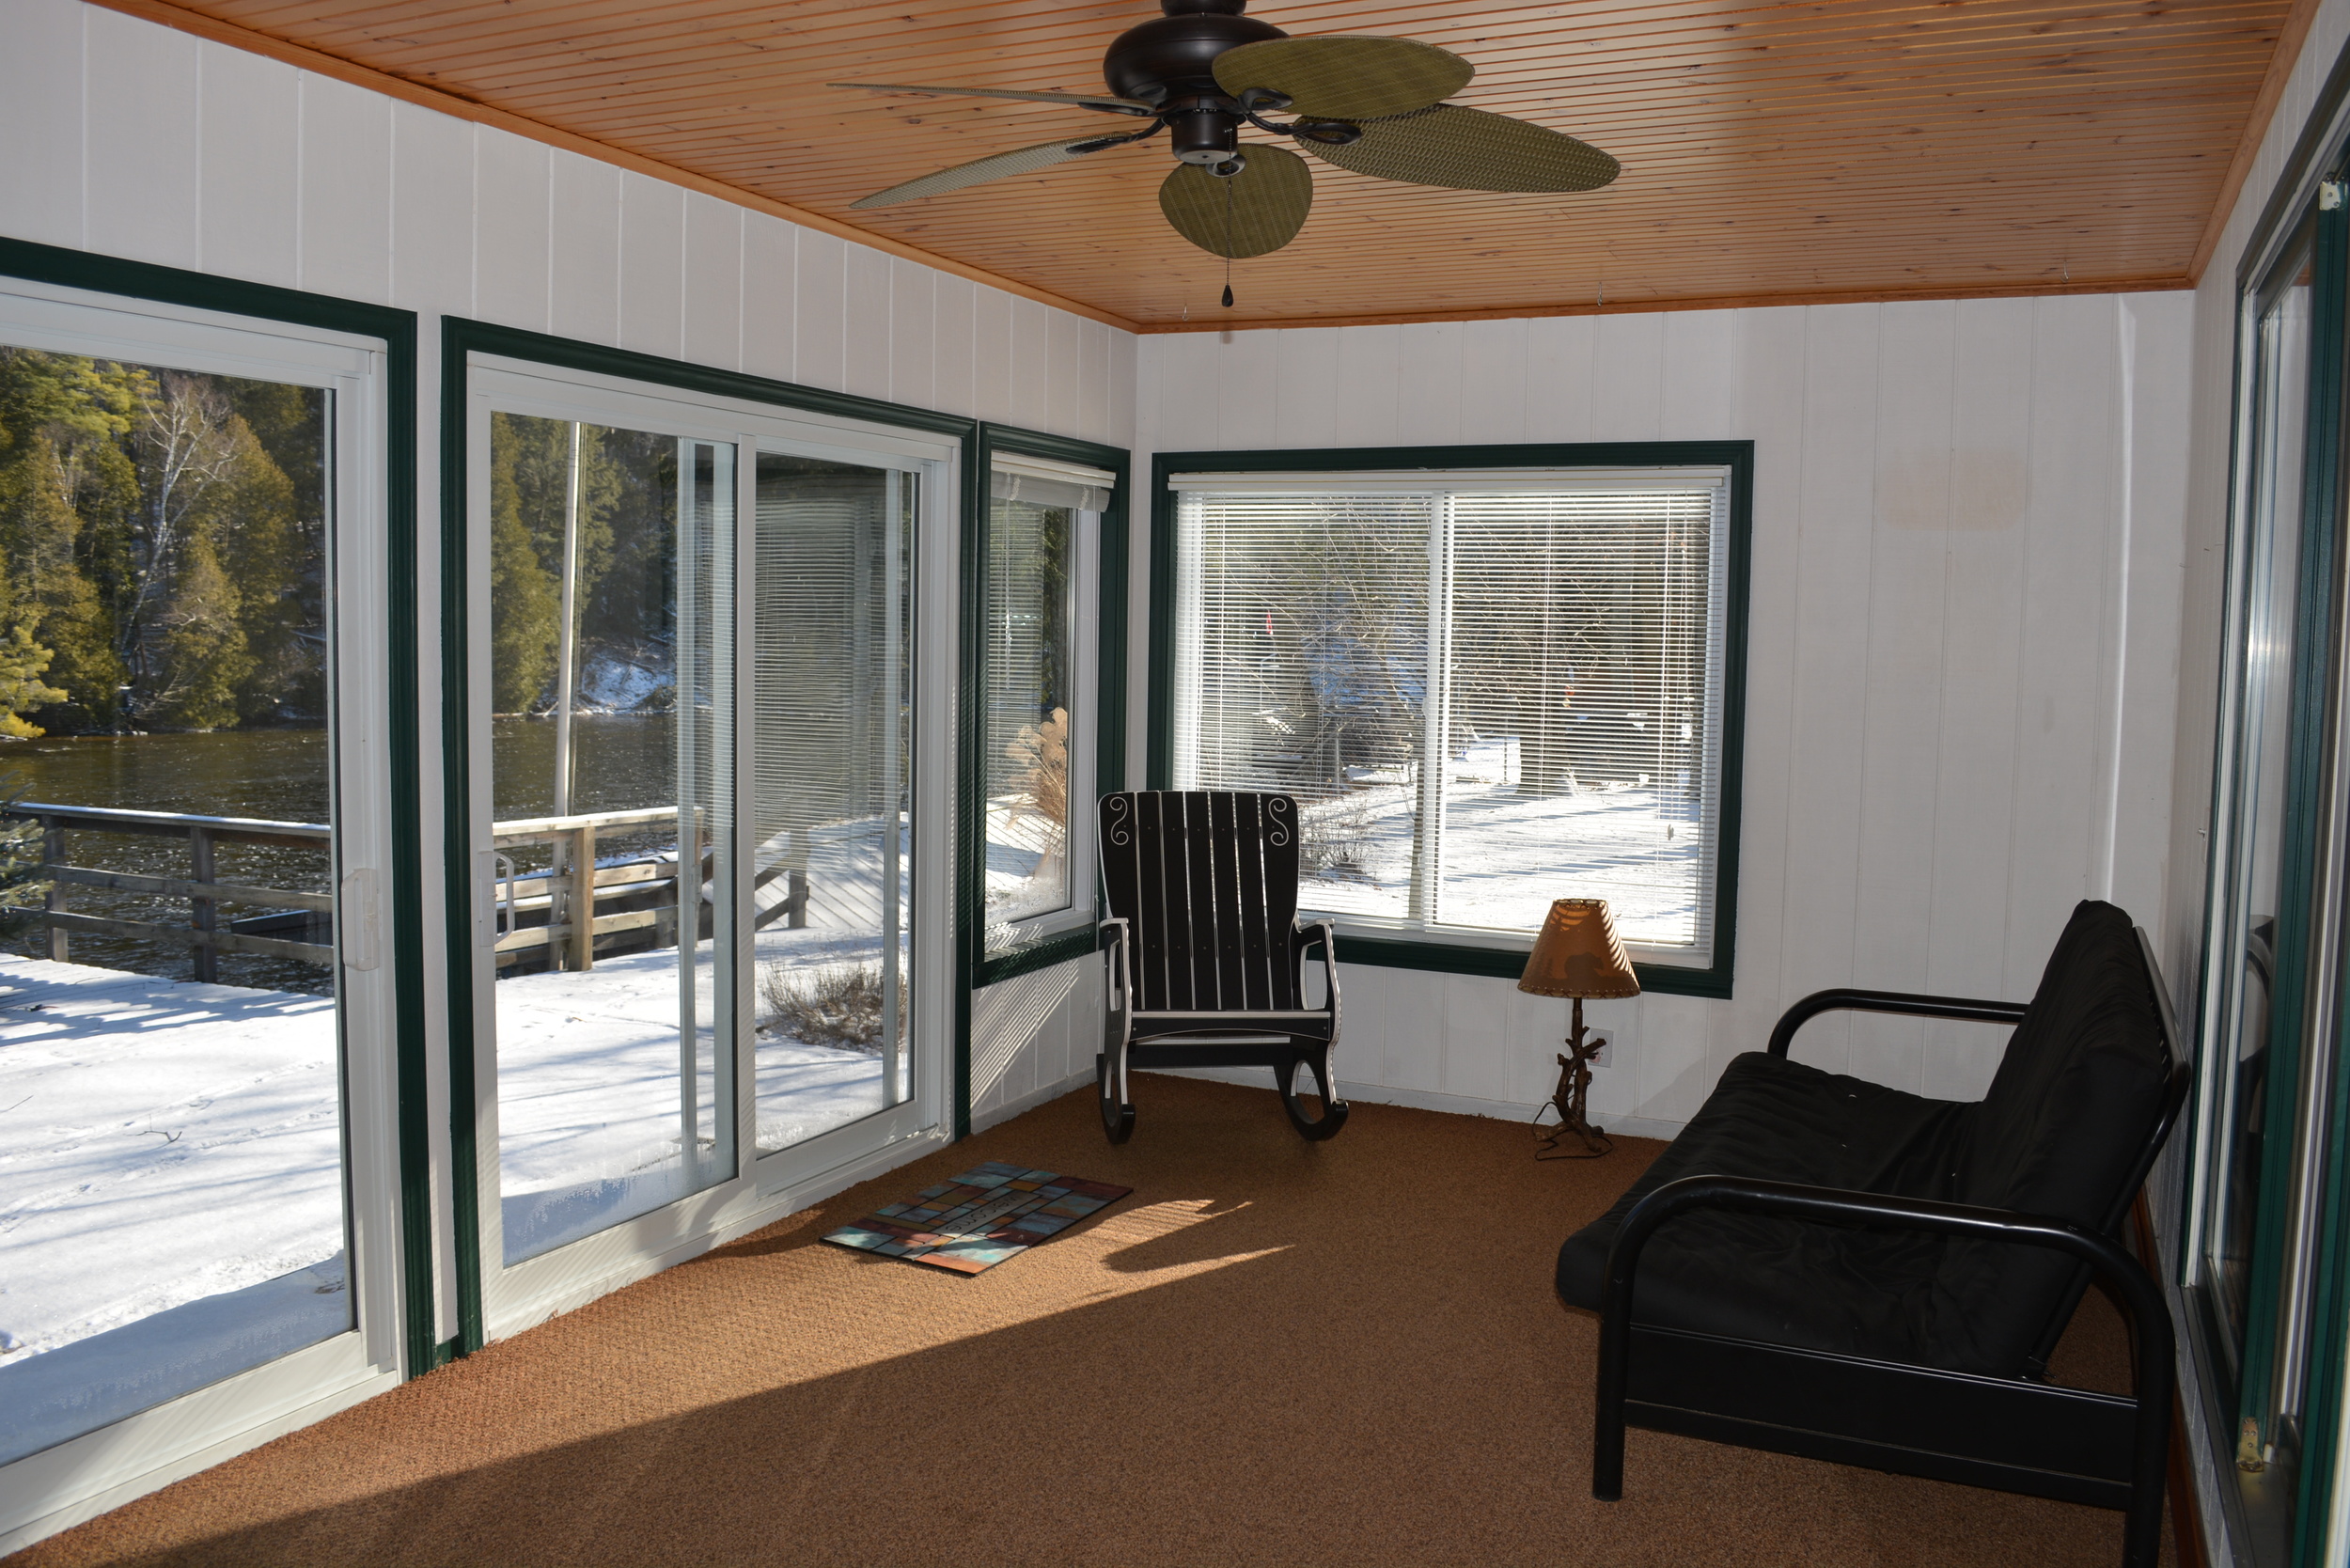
<point>974,1221</point>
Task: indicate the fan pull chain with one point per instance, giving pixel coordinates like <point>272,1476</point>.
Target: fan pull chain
<point>1228,243</point>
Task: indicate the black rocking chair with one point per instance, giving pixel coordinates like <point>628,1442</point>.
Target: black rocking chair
<point>1207,957</point>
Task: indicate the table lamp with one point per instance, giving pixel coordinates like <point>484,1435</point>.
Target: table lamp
<point>1576,955</point>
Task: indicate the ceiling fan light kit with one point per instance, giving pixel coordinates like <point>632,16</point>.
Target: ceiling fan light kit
<point>1201,71</point>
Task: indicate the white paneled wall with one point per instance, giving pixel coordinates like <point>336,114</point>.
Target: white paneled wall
<point>1032,1038</point>
<point>1967,540</point>
<point>139,141</point>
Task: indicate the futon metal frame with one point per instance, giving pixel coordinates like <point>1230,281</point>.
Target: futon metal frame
<point>2014,1435</point>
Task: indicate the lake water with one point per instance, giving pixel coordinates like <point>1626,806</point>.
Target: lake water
<point>620,760</point>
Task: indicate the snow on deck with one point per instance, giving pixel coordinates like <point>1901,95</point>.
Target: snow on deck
<point>171,1161</point>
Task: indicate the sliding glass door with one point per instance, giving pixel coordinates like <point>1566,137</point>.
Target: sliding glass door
<point>2268,1128</point>
<point>701,815</point>
<point>198,1195</point>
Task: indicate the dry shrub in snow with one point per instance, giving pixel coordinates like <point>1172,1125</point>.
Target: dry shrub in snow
<point>827,1007</point>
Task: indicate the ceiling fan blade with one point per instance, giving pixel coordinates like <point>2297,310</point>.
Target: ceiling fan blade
<point>1343,78</point>
<point>1468,149</point>
<point>1255,212</point>
<point>1001,165</point>
<point>1089,99</point>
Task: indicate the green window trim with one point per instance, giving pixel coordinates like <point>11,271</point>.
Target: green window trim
<point>460,339</point>
<point>1461,957</point>
<point>977,966</point>
<point>397,329</point>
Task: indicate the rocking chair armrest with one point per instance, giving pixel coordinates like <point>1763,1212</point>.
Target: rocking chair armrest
<point>1307,934</point>
<point>1111,938</point>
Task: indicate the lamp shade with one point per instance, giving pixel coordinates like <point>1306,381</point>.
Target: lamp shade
<point>1579,954</point>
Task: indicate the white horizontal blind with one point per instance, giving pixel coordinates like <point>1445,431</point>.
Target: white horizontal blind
<point>1031,708</point>
<point>1578,716</point>
<point>1569,744</point>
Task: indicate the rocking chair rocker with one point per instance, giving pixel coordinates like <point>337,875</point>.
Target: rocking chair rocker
<point>1207,957</point>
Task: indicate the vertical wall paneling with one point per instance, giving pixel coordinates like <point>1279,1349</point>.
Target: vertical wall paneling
<point>1936,561</point>
<point>1092,412</point>
<point>1060,401</point>
<point>433,221</point>
<point>1428,383</point>
<point>584,249</point>
<point>823,310</point>
<point>1030,356</point>
<point>41,122</point>
<point>1248,370</point>
<point>769,269</point>
<point>142,125</point>
<point>653,265</point>
<point>1305,389</point>
<point>1828,715</point>
<point>513,198</point>
<point>1628,377</point>
<point>1370,361</point>
<point>865,321</point>
<point>713,288</point>
<point>912,336</point>
<point>346,191</point>
<point>1766,390</point>
<point>990,356</point>
<point>1901,712</point>
<point>954,345</point>
<point>251,136</point>
<point>1558,389</point>
<point>2060,809</point>
<point>1493,380</point>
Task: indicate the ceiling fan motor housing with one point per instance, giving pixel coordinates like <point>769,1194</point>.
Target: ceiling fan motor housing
<point>1170,63</point>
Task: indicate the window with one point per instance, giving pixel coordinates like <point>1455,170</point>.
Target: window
<point>1487,689</point>
<point>1042,525</point>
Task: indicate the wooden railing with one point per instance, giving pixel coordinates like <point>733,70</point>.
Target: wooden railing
<point>635,895</point>
<point>536,909</point>
<point>204,934</point>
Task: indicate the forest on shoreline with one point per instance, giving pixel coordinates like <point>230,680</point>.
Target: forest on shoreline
<point>163,549</point>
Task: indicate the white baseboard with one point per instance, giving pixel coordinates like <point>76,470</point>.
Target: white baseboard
<point>1421,1099</point>
<point>997,1114</point>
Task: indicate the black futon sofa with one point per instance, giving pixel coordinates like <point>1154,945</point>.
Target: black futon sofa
<point>1824,1267</point>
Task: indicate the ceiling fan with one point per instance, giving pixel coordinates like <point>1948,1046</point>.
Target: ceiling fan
<point>1374,105</point>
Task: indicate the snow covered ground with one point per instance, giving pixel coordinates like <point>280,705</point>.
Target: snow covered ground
<point>1505,854</point>
<point>171,1165</point>
<point>590,1103</point>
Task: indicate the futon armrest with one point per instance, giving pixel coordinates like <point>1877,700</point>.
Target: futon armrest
<point>1783,1034</point>
<point>2139,1294</point>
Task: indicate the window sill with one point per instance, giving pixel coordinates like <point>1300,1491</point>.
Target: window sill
<point>1470,958</point>
<point>1042,950</point>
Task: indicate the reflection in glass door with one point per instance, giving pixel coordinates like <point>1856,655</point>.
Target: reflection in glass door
<point>832,852</point>
<point>2250,925</point>
<point>173,1183</point>
<point>2281,808</point>
<point>610,654</point>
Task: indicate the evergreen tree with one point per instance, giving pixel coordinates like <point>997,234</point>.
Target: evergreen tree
<point>198,655</point>
<point>22,662</point>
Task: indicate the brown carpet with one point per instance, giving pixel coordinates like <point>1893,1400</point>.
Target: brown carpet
<point>1275,1352</point>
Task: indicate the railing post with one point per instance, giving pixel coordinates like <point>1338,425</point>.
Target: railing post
<point>584,897</point>
<point>53,850</point>
<point>205,915</point>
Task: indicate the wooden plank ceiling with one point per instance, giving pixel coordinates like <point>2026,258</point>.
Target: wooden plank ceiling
<point>1837,148</point>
